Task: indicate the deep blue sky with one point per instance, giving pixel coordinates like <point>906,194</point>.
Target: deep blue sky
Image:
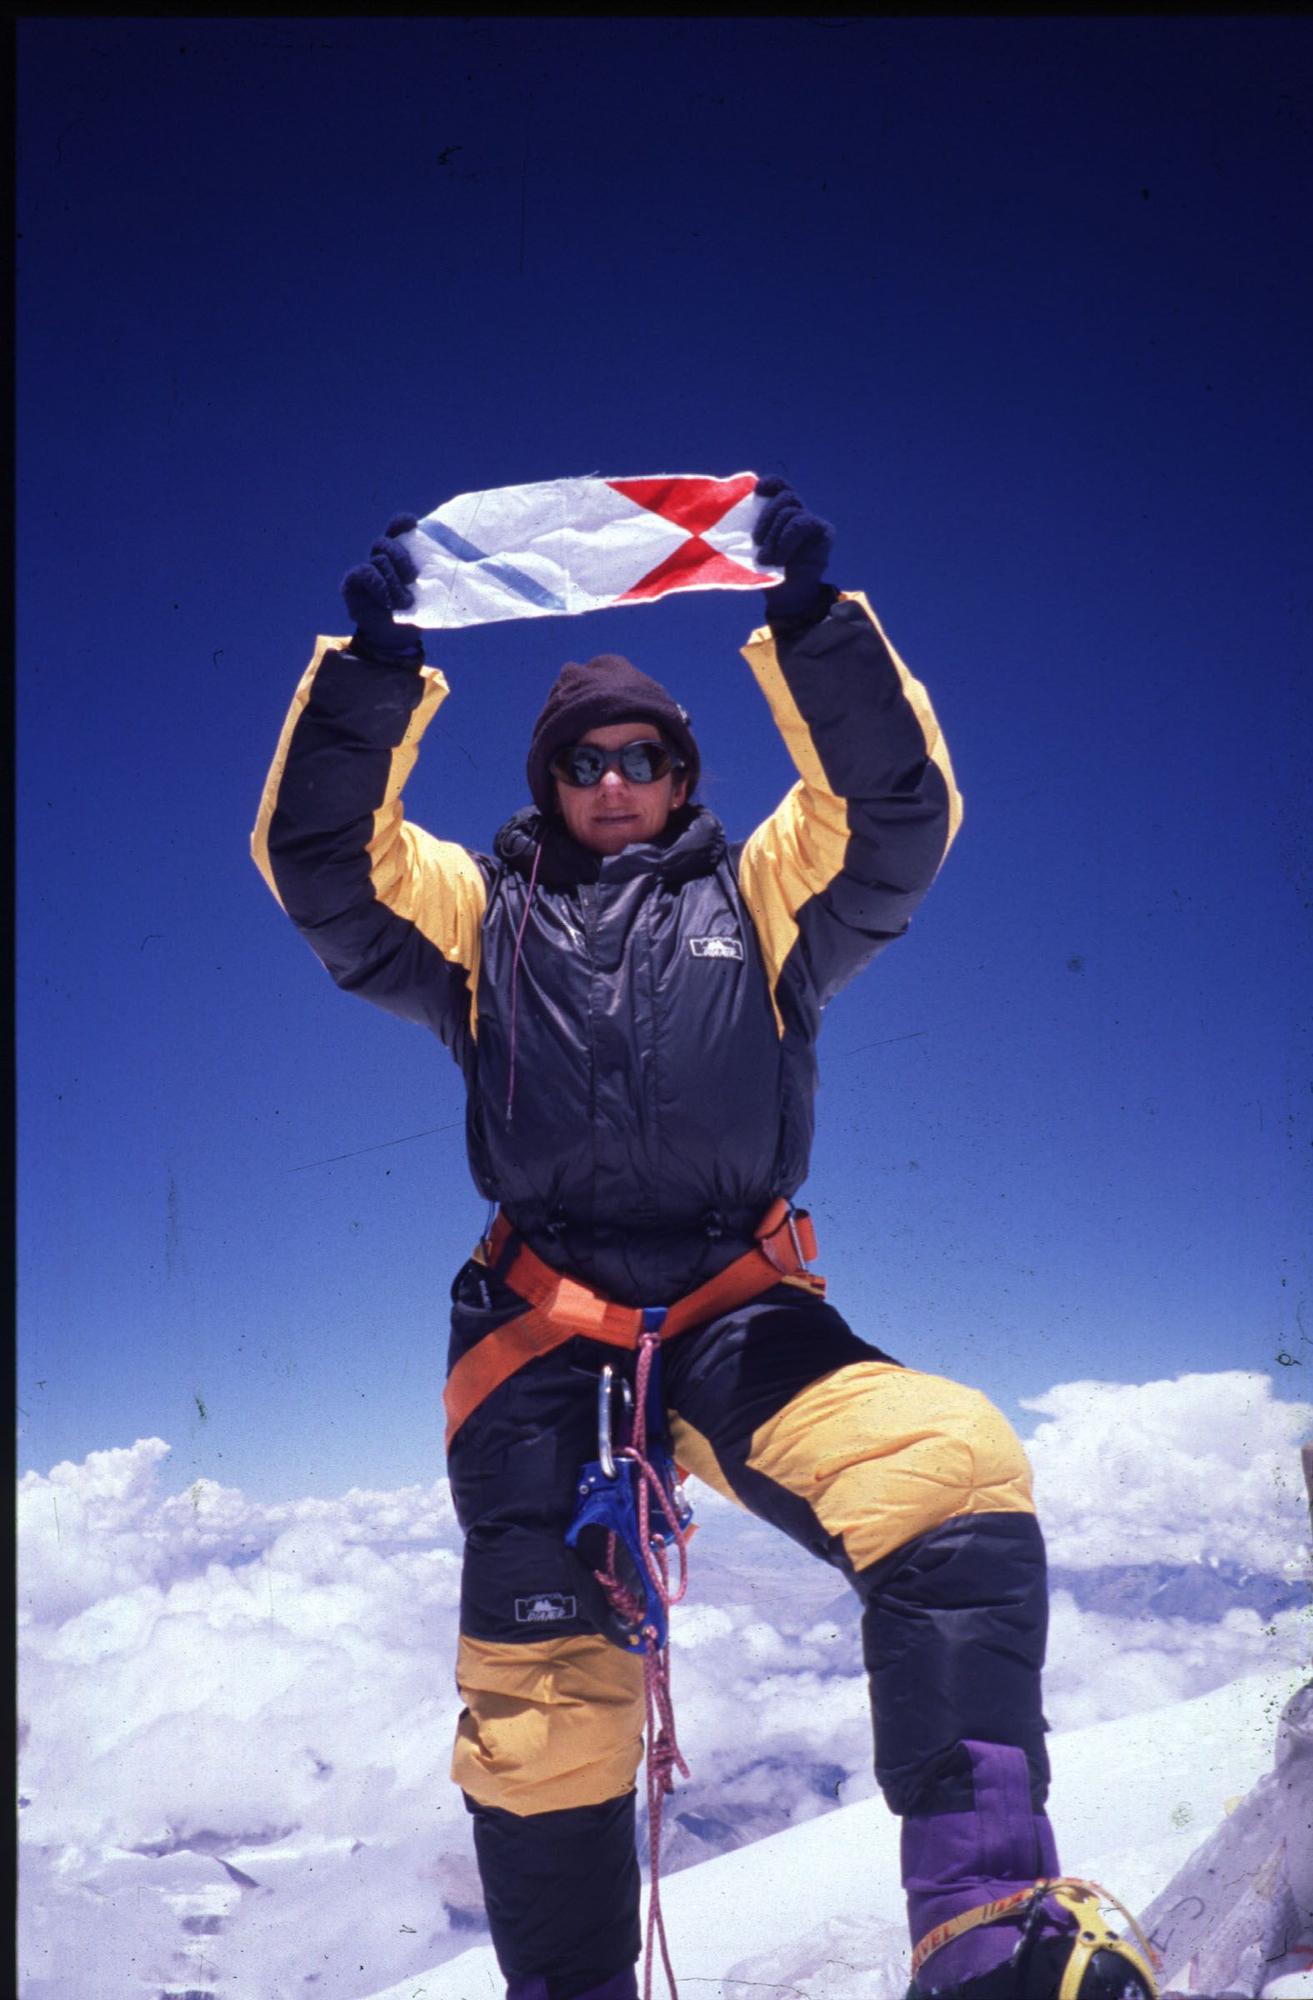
<point>1021,305</point>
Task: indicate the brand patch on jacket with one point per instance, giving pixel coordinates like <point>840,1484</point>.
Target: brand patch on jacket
<point>546,1608</point>
<point>716,947</point>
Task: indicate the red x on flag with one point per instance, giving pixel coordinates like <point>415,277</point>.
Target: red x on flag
<point>700,506</point>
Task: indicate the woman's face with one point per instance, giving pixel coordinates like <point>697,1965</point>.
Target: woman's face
<point>612,814</point>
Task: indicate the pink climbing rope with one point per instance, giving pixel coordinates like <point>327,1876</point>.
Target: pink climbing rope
<point>664,1757</point>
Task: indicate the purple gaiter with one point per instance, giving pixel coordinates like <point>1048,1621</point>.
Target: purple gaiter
<point>957,1861</point>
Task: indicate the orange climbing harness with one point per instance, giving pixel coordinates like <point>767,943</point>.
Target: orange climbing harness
<point>560,1308</point>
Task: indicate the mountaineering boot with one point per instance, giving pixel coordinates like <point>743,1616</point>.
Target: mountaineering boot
<point>990,1917</point>
<point>1050,1971</point>
<point>622,1985</point>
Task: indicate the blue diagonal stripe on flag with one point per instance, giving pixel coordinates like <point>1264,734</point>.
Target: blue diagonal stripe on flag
<point>515,579</point>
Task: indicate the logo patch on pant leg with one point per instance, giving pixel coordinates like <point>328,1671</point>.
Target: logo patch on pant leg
<point>547,1608</point>
<point>716,947</point>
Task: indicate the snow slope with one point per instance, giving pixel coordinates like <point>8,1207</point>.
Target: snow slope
<point>816,1910</point>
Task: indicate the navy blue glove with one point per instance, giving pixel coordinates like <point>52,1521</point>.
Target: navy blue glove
<point>376,589</point>
<point>787,537</point>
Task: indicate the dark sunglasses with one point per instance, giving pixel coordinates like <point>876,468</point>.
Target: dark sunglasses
<point>583,764</point>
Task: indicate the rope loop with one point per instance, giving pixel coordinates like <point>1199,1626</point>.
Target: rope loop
<point>664,1756</point>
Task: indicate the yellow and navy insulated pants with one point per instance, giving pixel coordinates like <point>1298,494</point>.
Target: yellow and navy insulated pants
<point>914,1487</point>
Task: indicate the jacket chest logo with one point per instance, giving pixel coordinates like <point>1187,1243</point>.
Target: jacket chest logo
<point>716,947</point>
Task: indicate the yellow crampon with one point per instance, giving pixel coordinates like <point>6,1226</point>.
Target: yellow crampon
<point>1083,1903</point>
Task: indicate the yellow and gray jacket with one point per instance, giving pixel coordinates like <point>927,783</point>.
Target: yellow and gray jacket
<point>637,1032</point>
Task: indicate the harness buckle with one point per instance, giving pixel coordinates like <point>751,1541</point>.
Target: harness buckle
<point>484,1245</point>
<point>802,1240</point>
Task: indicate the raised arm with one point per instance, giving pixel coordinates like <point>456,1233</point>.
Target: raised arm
<point>393,914</point>
<point>835,872</point>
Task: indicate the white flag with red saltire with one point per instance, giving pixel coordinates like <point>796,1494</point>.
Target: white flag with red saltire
<point>569,545</point>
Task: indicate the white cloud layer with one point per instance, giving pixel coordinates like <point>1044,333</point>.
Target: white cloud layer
<point>237,1717</point>
<point>1202,1468</point>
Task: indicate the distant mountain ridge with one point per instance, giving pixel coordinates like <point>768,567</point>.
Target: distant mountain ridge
<point>1201,1592</point>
